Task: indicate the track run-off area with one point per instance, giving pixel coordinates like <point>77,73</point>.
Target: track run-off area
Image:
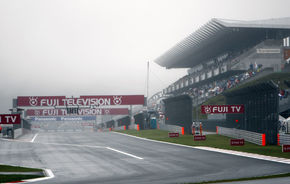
<point>108,157</point>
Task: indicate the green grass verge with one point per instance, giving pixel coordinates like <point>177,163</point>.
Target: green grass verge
<point>8,168</point>
<point>14,178</point>
<point>246,179</point>
<point>213,140</point>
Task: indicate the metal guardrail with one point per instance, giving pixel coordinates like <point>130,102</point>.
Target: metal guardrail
<point>252,137</point>
<point>284,139</point>
<point>171,128</point>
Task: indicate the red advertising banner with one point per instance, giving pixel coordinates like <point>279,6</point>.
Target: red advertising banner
<point>173,134</point>
<point>82,112</point>
<point>54,101</point>
<point>217,109</point>
<point>237,142</point>
<point>10,119</point>
<point>199,138</point>
<point>285,148</point>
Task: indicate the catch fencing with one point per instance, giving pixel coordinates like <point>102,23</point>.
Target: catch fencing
<point>252,137</point>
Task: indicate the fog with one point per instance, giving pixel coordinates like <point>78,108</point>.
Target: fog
<point>102,47</point>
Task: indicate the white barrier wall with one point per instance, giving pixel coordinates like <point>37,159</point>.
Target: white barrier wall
<point>252,137</point>
<point>284,139</point>
<point>170,128</point>
<point>18,132</point>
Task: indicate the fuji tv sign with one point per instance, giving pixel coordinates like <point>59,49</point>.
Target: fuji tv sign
<point>53,101</point>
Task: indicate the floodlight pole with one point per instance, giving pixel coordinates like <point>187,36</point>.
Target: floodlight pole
<point>196,109</point>
<point>147,99</point>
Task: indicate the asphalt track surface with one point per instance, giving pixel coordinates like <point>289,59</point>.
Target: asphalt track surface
<point>106,157</point>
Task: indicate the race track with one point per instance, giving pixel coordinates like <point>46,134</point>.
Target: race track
<point>107,157</point>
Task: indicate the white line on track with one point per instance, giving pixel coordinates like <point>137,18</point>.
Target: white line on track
<point>237,153</point>
<point>34,137</point>
<point>128,154</point>
<point>49,175</point>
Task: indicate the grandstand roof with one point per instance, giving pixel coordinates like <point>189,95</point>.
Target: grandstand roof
<point>220,36</point>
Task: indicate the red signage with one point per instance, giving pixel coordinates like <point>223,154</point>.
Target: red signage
<point>173,134</point>
<point>237,142</point>
<point>82,112</point>
<point>285,148</point>
<point>53,101</point>
<point>199,138</point>
<point>216,109</point>
<point>10,119</point>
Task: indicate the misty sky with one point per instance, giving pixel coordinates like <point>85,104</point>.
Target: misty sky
<point>101,47</point>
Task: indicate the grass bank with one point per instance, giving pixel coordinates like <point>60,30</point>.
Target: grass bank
<point>16,177</point>
<point>213,140</point>
<point>8,168</point>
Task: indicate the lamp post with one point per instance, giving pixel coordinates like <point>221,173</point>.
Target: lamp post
<point>196,108</point>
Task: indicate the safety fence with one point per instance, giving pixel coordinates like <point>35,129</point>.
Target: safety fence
<point>283,139</point>
<point>253,137</point>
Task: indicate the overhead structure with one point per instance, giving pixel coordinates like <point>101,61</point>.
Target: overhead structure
<point>221,36</point>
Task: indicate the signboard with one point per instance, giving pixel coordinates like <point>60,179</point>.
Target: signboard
<point>68,118</point>
<point>216,109</point>
<point>199,138</point>
<point>53,101</point>
<point>10,119</point>
<point>285,148</point>
<point>237,142</point>
<point>173,134</point>
<point>82,112</point>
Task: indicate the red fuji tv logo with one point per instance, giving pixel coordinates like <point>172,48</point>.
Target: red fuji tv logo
<point>117,100</point>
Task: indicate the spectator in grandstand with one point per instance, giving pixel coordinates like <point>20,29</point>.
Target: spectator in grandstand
<point>283,94</point>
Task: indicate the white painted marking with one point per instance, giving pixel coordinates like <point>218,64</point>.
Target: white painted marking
<point>34,137</point>
<point>244,154</point>
<point>128,154</point>
<point>49,175</point>
<point>237,153</point>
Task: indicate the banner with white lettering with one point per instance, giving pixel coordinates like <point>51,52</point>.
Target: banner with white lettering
<point>10,119</point>
<point>56,101</point>
<point>227,109</point>
<point>80,111</point>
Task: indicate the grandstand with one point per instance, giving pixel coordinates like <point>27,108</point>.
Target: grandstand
<point>223,54</point>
